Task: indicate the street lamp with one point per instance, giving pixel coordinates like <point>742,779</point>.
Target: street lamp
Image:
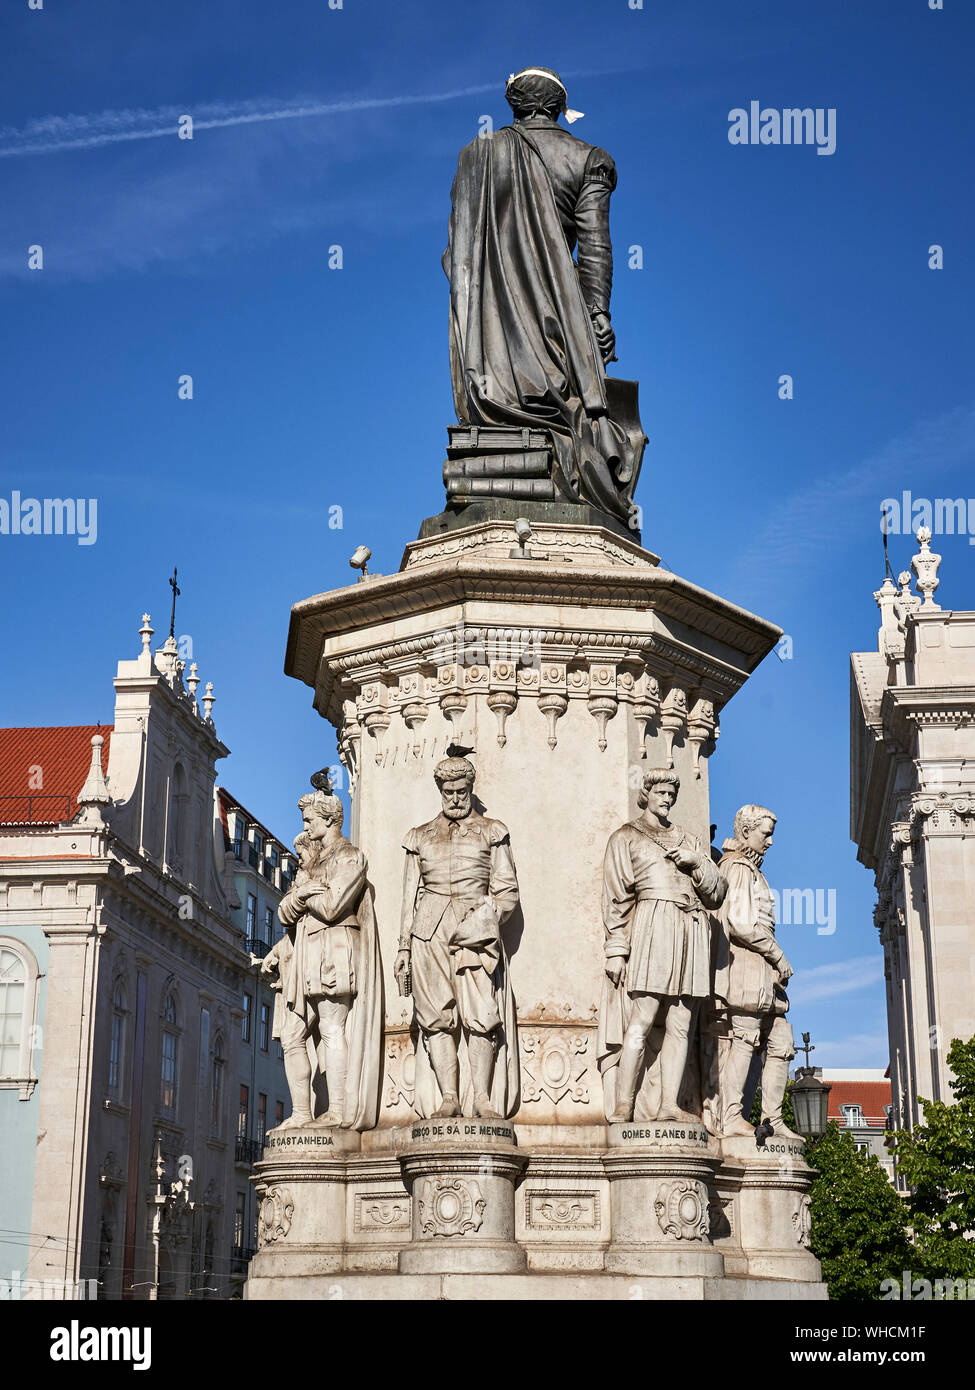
<point>810,1096</point>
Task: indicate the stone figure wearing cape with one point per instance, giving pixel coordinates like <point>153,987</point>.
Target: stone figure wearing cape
<point>460,884</point>
<point>530,326</point>
<point>658,882</point>
<point>326,973</point>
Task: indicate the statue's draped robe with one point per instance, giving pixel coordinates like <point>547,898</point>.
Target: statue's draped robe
<point>522,347</point>
<point>343,907</point>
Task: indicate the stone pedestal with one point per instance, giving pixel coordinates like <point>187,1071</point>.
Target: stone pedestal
<point>661,1184</point>
<point>763,1224</point>
<point>461,1175</point>
<point>301,1183</point>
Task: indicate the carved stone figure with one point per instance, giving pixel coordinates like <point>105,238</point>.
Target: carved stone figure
<point>459,885</point>
<point>530,326</point>
<point>326,972</point>
<point>751,972</point>
<point>658,881</point>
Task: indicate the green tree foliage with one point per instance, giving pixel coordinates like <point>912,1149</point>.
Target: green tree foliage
<point>937,1161</point>
<point>859,1225</point>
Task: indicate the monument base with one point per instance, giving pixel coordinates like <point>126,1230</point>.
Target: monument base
<point>764,1220</point>
<point>595,1211</point>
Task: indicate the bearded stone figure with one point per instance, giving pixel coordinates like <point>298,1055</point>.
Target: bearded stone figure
<point>326,974</point>
<point>751,972</point>
<point>459,886</point>
<point>658,882</point>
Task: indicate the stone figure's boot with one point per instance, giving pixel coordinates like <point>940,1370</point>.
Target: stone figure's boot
<point>631,1055</point>
<point>443,1059</point>
<point>480,1053</point>
<point>297,1070</point>
<point>673,1059</point>
<point>775,1075</point>
<point>732,1087</point>
<point>335,1064</point>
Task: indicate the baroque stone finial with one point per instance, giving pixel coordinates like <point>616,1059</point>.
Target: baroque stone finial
<point>925,565</point>
<point>146,631</point>
<point>94,794</point>
<point>208,699</point>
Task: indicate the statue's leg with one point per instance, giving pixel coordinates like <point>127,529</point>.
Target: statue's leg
<point>734,1074</point>
<point>480,1051</point>
<point>477,997</point>
<point>436,1016</point>
<point>780,1051</point>
<point>442,1048</point>
<point>673,1060</point>
<point>333,1055</point>
<point>297,1070</point>
<point>644,1009</point>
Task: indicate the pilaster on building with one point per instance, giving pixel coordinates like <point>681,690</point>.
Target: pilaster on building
<point>912,816</point>
<point>124,976</point>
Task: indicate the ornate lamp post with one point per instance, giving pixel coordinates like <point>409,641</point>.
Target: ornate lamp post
<point>810,1096</point>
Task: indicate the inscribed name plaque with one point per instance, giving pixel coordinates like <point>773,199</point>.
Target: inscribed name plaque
<point>663,1137</point>
<point>462,1133</point>
<point>310,1142</point>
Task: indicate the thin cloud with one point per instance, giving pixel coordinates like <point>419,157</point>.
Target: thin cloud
<point>53,134</point>
<point>856,1050</point>
<point>840,977</point>
<point>792,536</point>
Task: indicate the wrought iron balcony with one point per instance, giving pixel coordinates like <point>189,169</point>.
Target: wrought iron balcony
<point>247,1150</point>
<point>240,1258</point>
<point>256,946</point>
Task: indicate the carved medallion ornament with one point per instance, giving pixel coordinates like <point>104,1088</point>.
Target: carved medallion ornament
<point>449,1206</point>
<point>555,1065</point>
<point>682,1210</point>
<point>802,1221</point>
<point>277,1209</point>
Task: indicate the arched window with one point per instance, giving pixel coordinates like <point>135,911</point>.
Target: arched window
<point>116,1044</point>
<point>216,1085</point>
<point>19,977</point>
<point>169,1057</point>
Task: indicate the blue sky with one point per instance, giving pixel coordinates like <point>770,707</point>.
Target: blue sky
<point>315,387</point>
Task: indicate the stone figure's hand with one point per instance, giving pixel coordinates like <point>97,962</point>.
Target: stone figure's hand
<point>269,966</point>
<point>401,969</point>
<point>605,337</point>
<point>615,967</point>
<point>785,971</point>
<point>686,859</point>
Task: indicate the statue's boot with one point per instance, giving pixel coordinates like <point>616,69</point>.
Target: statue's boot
<point>775,1076</point>
<point>443,1059</point>
<point>480,1053</point>
<point>673,1059</point>
<point>336,1066</point>
<point>732,1086</point>
<point>631,1055</point>
<point>297,1071</point>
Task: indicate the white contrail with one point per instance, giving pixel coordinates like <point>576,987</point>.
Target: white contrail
<point>51,134</point>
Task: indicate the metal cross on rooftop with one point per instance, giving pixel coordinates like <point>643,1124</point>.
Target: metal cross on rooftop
<point>176,591</point>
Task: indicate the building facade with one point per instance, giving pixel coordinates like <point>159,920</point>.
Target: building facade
<point>860,1103</point>
<point>912,816</point>
<point>263,871</point>
<point>122,980</point>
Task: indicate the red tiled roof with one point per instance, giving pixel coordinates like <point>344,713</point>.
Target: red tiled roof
<point>43,770</point>
<point>871,1096</point>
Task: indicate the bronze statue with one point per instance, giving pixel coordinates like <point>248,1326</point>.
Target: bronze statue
<point>530,327</point>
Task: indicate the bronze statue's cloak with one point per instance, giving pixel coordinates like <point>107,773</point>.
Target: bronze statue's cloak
<point>522,347</point>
